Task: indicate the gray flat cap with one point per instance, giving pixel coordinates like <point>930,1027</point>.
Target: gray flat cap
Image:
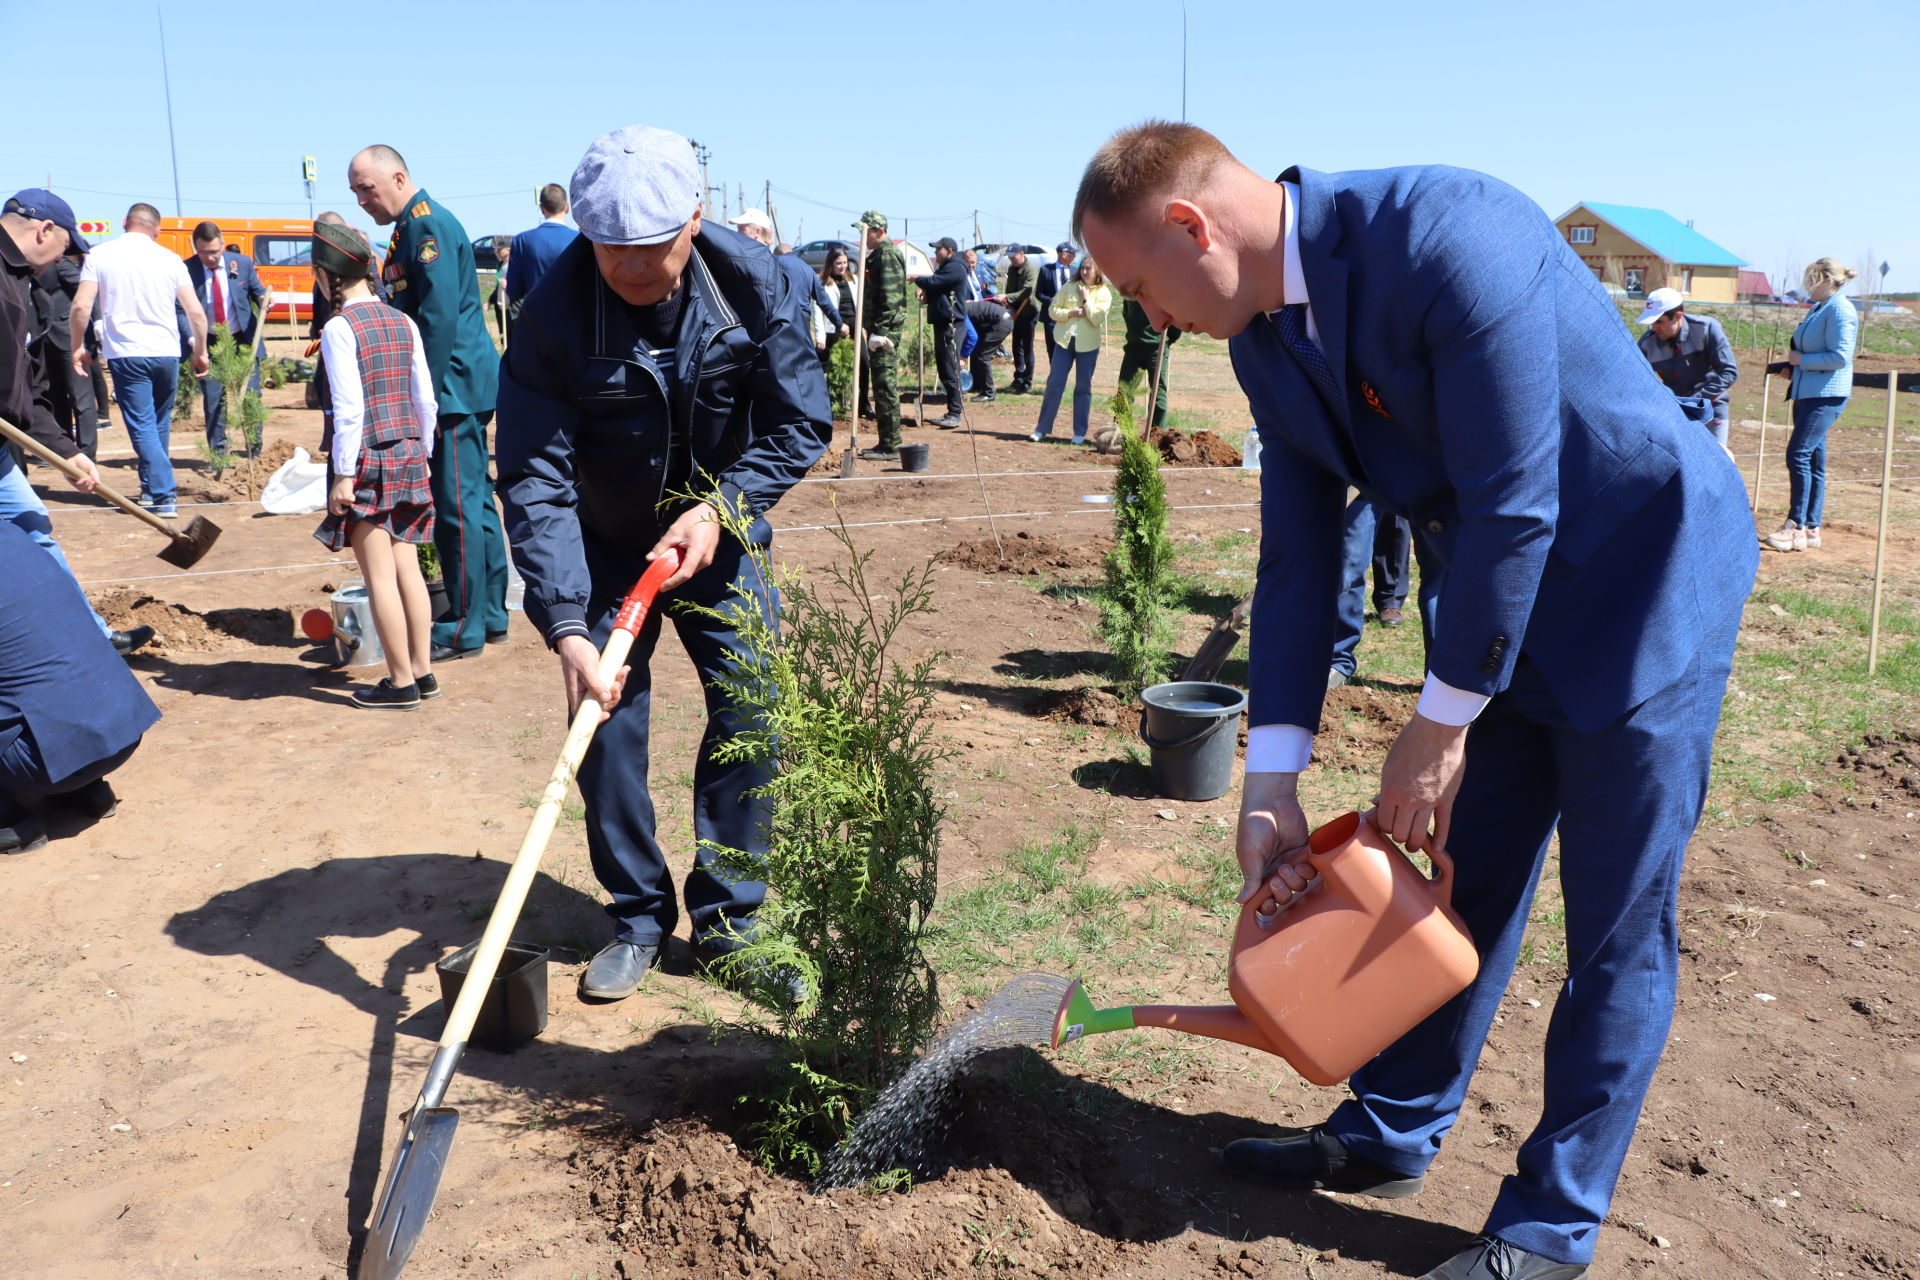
<point>636,185</point>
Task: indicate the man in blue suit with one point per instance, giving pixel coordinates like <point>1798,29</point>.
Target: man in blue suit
<point>1425,335</point>
<point>535,250</point>
<point>228,287</point>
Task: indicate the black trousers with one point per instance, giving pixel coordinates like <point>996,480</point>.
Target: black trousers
<point>946,357</point>
<point>1023,347</point>
<point>63,398</point>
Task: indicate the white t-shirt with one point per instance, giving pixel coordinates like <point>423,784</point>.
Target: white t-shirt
<point>139,282</point>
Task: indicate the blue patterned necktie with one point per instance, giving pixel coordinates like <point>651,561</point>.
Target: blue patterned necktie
<point>1291,323</point>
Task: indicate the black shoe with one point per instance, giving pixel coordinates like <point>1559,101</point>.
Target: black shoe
<point>1492,1259</point>
<point>1020,389</point>
<point>385,696</point>
<point>496,637</point>
<point>95,800</point>
<point>868,414</point>
<point>429,686</point>
<point>125,642</point>
<point>985,397</point>
<point>1314,1160</point>
<point>880,455</point>
<point>947,422</point>
<point>447,653</point>
<point>616,972</point>
<point>23,835</point>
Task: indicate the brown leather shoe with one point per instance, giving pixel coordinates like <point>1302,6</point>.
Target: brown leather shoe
<point>1391,617</point>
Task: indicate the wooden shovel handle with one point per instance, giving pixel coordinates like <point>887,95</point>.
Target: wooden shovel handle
<point>526,863</point>
<point>72,472</point>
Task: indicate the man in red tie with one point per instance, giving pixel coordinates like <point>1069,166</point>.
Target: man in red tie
<point>229,288</point>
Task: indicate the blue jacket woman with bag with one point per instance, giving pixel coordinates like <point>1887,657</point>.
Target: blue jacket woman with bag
<point>1820,369</point>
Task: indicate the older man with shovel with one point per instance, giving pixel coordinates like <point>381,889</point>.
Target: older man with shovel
<point>660,374</point>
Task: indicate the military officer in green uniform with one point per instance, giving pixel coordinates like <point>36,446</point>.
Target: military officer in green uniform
<point>885,314</point>
<point>1141,353</point>
<point>430,275</point>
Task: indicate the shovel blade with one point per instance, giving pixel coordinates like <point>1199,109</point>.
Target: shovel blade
<point>406,1202</point>
<point>186,547</point>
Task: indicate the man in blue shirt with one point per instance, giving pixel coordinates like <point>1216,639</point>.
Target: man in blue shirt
<point>534,250</point>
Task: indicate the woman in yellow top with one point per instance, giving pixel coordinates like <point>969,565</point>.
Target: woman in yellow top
<point>1079,313</point>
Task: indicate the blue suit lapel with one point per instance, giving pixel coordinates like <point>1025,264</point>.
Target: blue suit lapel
<point>1326,273</point>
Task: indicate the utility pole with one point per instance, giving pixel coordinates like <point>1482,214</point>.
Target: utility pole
<point>976,226</point>
<point>1183,62</point>
<point>703,153</point>
<point>166,84</point>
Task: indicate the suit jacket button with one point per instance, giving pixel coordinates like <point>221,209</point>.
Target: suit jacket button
<point>1436,526</point>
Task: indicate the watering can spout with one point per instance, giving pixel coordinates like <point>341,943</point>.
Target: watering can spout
<point>1078,1017</point>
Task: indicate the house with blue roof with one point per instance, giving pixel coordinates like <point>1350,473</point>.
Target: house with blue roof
<point>1638,250</point>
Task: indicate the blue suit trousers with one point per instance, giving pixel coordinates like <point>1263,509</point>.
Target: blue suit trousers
<point>627,858</point>
<point>1625,800</point>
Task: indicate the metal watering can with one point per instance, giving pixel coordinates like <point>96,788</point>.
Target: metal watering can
<point>1370,950</point>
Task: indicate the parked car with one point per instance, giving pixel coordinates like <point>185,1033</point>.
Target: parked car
<point>997,255</point>
<point>814,252</point>
<point>484,256</point>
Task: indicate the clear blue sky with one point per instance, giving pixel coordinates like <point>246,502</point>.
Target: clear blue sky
<point>1784,130</point>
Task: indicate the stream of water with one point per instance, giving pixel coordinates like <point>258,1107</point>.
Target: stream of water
<point>906,1123</point>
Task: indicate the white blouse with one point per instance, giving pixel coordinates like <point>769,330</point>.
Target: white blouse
<point>342,357</point>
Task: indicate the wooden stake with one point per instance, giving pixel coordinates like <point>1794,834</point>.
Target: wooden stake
<point>1880,539</point>
<point>1760,459</point>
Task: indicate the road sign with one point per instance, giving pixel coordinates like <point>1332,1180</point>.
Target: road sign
<point>309,170</point>
<point>95,227</point>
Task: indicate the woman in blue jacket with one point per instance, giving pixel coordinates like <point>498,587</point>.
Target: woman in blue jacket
<point>1821,377</point>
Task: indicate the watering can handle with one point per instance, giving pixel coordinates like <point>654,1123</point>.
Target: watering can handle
<point>1441,880</point>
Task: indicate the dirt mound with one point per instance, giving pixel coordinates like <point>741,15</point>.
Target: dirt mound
<point>178,629</point>
<point>1080,706</point>
<point>829,463</point>
<point>1201,449</point>
<point>231,485</point>
<point>1884,765</point>
<point>1358,723</point>
<point>1029,553</point>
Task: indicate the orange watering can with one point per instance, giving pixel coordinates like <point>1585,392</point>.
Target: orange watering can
<point>1363,956</point>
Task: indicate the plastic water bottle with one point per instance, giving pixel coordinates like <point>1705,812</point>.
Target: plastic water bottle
<point>1250,452</point>
<point>516,586</point>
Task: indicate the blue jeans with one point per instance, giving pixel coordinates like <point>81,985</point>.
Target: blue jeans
<point>1356,550</point>
<point>21,506</point>
<point>1807,458</point>
<point>144,386</point>
<point>1080,364</point>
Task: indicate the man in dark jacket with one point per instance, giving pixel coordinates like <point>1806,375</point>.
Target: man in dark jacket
<point>1690,353</point>
<point>70,711</point>
<point>942,291</point>
<point>62,395</point>
<point>660,357</point>
<point>1053,278</point>
<point>1018,298</point>
<point>991,324</point>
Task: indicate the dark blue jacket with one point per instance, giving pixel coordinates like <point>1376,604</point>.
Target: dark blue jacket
<point>63,690</point>
<point>241,287</point>
<point>533,253</point>
<point>1492,397</point>
<point>943,290</point>
<point>1699,364</point>
<point>589,447</point>
<point>806,288</point>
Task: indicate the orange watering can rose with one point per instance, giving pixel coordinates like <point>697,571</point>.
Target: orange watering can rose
<point>1371,950</point>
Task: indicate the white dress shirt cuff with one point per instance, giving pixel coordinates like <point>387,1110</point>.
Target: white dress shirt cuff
<point>1441,703</point>
<point>1278,748</point>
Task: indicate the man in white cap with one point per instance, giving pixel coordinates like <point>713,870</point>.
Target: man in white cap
<point>756,225</point>
<point>661,356</point>
<point>1690,353</point>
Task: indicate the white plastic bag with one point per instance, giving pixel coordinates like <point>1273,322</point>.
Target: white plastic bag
<point>298,488</point>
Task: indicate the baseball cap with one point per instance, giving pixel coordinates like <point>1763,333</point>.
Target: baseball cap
<point>36,203</point>
<point>873,218</point>
<point>947,242</point>
<point>752,218</point>
<point>1659,302</point>
<point>1065,246</point>
<point>637,185</point>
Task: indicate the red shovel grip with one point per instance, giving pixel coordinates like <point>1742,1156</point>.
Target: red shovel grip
<point>633,610</point>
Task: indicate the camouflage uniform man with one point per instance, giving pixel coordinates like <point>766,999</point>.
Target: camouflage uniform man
<point>885,315</point>
<point>1141,354</point>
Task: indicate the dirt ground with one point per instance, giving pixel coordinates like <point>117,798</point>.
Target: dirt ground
<point>219,1002</point>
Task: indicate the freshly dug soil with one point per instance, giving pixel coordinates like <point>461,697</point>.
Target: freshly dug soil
<point>231,485</point>
<point>178,629</point>
<point>1080,706</point>
<point>1029,553</point>
<point>1201,449</point>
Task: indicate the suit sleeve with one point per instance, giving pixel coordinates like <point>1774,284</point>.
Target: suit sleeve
<point>789,420</point>
<point>1297,586</point>
<point>533,449</point>
<point>436,296</point>
<point>1485,289</point>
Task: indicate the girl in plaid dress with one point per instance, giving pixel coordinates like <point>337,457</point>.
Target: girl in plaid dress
<point>379,406</point>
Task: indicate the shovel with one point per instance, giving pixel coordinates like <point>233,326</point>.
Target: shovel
<point>188,545</point>
<point>859,342</point>
<point>406,1200</point>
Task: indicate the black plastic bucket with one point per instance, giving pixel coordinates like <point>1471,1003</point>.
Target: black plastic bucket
<point>1192,728</point>
<point>913,457</point>
<point>515,1010</point>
